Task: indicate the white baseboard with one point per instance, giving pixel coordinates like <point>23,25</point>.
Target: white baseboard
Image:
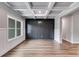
<point>75,42</point>
<point>68,41</point>
<point>71,41</point>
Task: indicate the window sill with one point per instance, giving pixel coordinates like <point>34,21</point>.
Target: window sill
<point>14,38</point>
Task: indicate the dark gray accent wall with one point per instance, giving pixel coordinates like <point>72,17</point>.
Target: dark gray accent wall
<point>44,30</point>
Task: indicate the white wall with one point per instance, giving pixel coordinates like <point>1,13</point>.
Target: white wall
<point>57,35</point>
<point>67,28</point>
<point>6,45</point>
<point>58,24</point>
<point>70,29</point>
<point>76,27</point>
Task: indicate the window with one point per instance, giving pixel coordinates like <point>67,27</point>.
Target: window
<point>18,29</point>
<point>14,28</point>
<point>11,30</point>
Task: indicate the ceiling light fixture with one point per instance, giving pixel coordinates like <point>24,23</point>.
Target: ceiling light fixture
<point>39,22</point>
<point>39,12</point>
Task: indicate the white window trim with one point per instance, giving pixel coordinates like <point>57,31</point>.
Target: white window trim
<point>15,28</point>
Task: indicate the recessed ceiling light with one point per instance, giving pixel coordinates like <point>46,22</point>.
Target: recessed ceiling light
<point>39,12</point>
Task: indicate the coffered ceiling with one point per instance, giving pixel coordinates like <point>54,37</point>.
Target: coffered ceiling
<point>39,9</point>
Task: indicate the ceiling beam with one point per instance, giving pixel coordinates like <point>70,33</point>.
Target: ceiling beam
<point>5,3</point>
<point>29,7</point>
<point>73,7</point>
<point>39,15</point>
<point>60,9</point>
<point>50,6</point>
<point>35,14</point>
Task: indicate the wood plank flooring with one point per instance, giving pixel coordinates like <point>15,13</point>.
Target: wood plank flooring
<point>43,48</point>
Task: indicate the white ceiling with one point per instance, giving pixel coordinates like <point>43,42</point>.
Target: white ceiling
<point>39,9</point>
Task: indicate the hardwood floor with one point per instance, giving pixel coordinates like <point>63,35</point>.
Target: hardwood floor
<point>43,48</point>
